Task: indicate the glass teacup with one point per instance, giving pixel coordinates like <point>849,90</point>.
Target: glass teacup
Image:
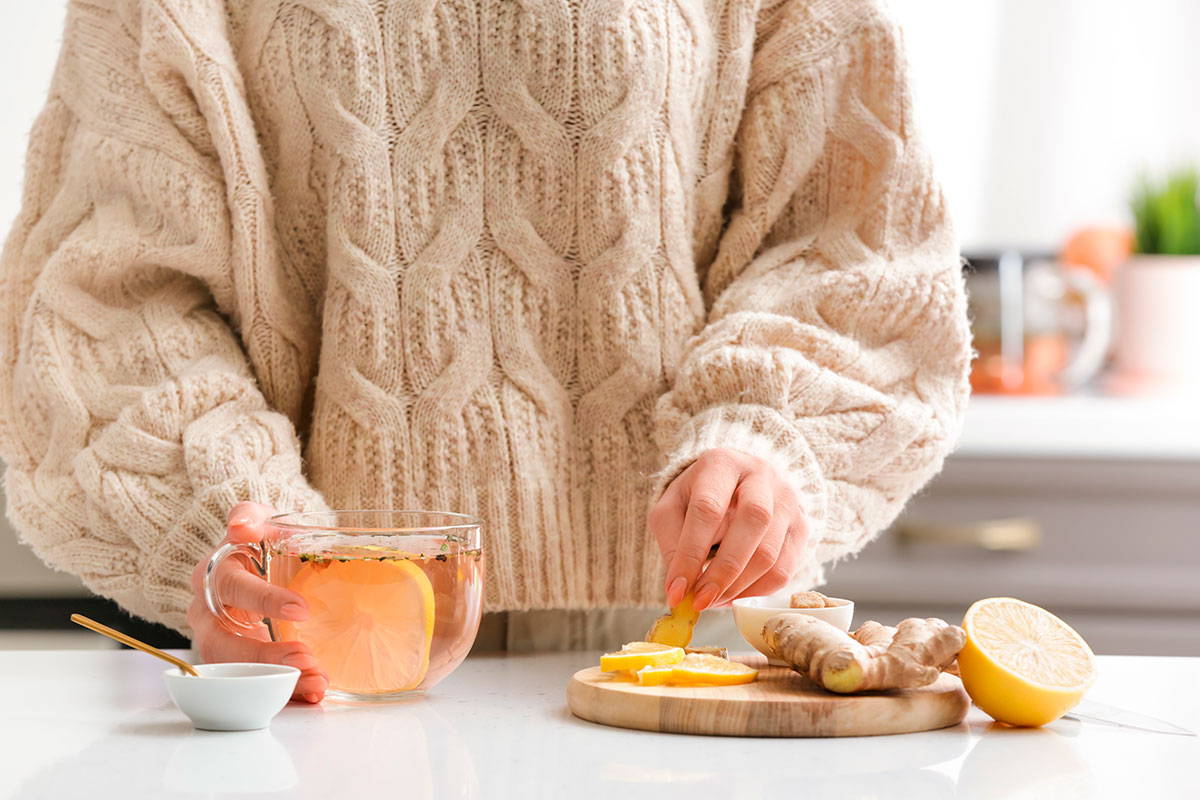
<point>394,597</point>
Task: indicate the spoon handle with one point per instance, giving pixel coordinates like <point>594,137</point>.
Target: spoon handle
<point>136,644</point>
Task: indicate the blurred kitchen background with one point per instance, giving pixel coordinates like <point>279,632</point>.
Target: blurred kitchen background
<point>1077,482</point>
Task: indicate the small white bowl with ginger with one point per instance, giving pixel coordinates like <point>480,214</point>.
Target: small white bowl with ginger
<point>750,614</point>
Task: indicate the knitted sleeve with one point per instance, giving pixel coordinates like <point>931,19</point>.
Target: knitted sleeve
<point>130,418</point>
<point>837,345</point>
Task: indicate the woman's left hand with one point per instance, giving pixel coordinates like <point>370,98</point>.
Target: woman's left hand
<point>740,502</point>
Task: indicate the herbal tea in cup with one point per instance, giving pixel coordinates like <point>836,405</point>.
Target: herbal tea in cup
<point>394,597</point>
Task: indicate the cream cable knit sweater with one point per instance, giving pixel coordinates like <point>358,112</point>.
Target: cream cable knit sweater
<point>476,255</point>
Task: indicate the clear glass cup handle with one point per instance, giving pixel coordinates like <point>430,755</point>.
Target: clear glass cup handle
<point>211,595</point>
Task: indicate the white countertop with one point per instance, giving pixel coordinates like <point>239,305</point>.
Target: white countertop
<point>100,724</point>
<point>1082,426</point>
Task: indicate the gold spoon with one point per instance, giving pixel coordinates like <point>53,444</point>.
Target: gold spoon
<point>136,644</point>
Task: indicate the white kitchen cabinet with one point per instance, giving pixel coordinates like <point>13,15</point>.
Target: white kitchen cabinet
<point>23,575</point>
<point>1112,491</point>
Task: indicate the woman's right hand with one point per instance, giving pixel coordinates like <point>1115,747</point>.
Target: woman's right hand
<point>247,592</point>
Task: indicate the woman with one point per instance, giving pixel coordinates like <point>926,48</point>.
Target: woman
<point>555,263</point>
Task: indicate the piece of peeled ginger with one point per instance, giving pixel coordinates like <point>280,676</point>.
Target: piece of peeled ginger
<point>675,627</point>
<point>810,600</point>
<point>719,652</point>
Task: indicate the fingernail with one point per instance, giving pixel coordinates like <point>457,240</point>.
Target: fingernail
<point>675,591</point>
<point>241,521</point>
<point>312,697</point>
<point>704,597</point>
<point>294,611</point>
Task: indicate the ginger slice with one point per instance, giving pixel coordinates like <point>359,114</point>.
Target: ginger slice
<point>912,654</point>
<point>811,600</point>
<point>808,600</point>
<point>675,627</point>
<point>719,652</point>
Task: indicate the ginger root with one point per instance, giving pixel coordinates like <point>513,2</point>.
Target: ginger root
<point>675,627</point>
<point>910,655</point>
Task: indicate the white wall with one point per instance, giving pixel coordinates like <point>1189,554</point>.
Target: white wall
<point>1040,113</point>
<point>29,43</point>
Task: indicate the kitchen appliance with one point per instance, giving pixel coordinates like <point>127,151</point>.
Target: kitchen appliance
<point>1039,327</point>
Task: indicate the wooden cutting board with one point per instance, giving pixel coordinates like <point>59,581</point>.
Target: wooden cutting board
<point>780,703</point>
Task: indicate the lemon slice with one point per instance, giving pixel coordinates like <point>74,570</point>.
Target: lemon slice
<point>1021,664</point>
<point>636,655</point>
<point>698,669</point>
<point>370,623</point>
<point>655,676</point>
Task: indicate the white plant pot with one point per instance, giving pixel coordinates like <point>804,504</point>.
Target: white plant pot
<point>1157,346</point>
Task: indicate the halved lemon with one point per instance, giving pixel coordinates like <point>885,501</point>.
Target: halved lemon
<point>370,622</point>
<point>636,655</point>
<point>1021,664</point>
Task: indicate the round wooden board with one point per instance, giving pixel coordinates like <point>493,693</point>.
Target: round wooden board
<point>779,703</point>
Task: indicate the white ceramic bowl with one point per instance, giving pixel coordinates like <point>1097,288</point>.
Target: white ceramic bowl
<point>232,697</point>
<point>751,614</point>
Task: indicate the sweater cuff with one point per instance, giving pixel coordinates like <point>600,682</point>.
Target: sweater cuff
<point>762,432</point>
<point>168,568</point>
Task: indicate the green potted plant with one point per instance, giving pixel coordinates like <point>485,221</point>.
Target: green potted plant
<point>1157,291</point>
<point>1167,216</point>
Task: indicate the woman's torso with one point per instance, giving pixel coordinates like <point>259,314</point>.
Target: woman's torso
<point>496,214</point>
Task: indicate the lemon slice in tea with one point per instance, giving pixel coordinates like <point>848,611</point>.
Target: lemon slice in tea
<point>370,622</point>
